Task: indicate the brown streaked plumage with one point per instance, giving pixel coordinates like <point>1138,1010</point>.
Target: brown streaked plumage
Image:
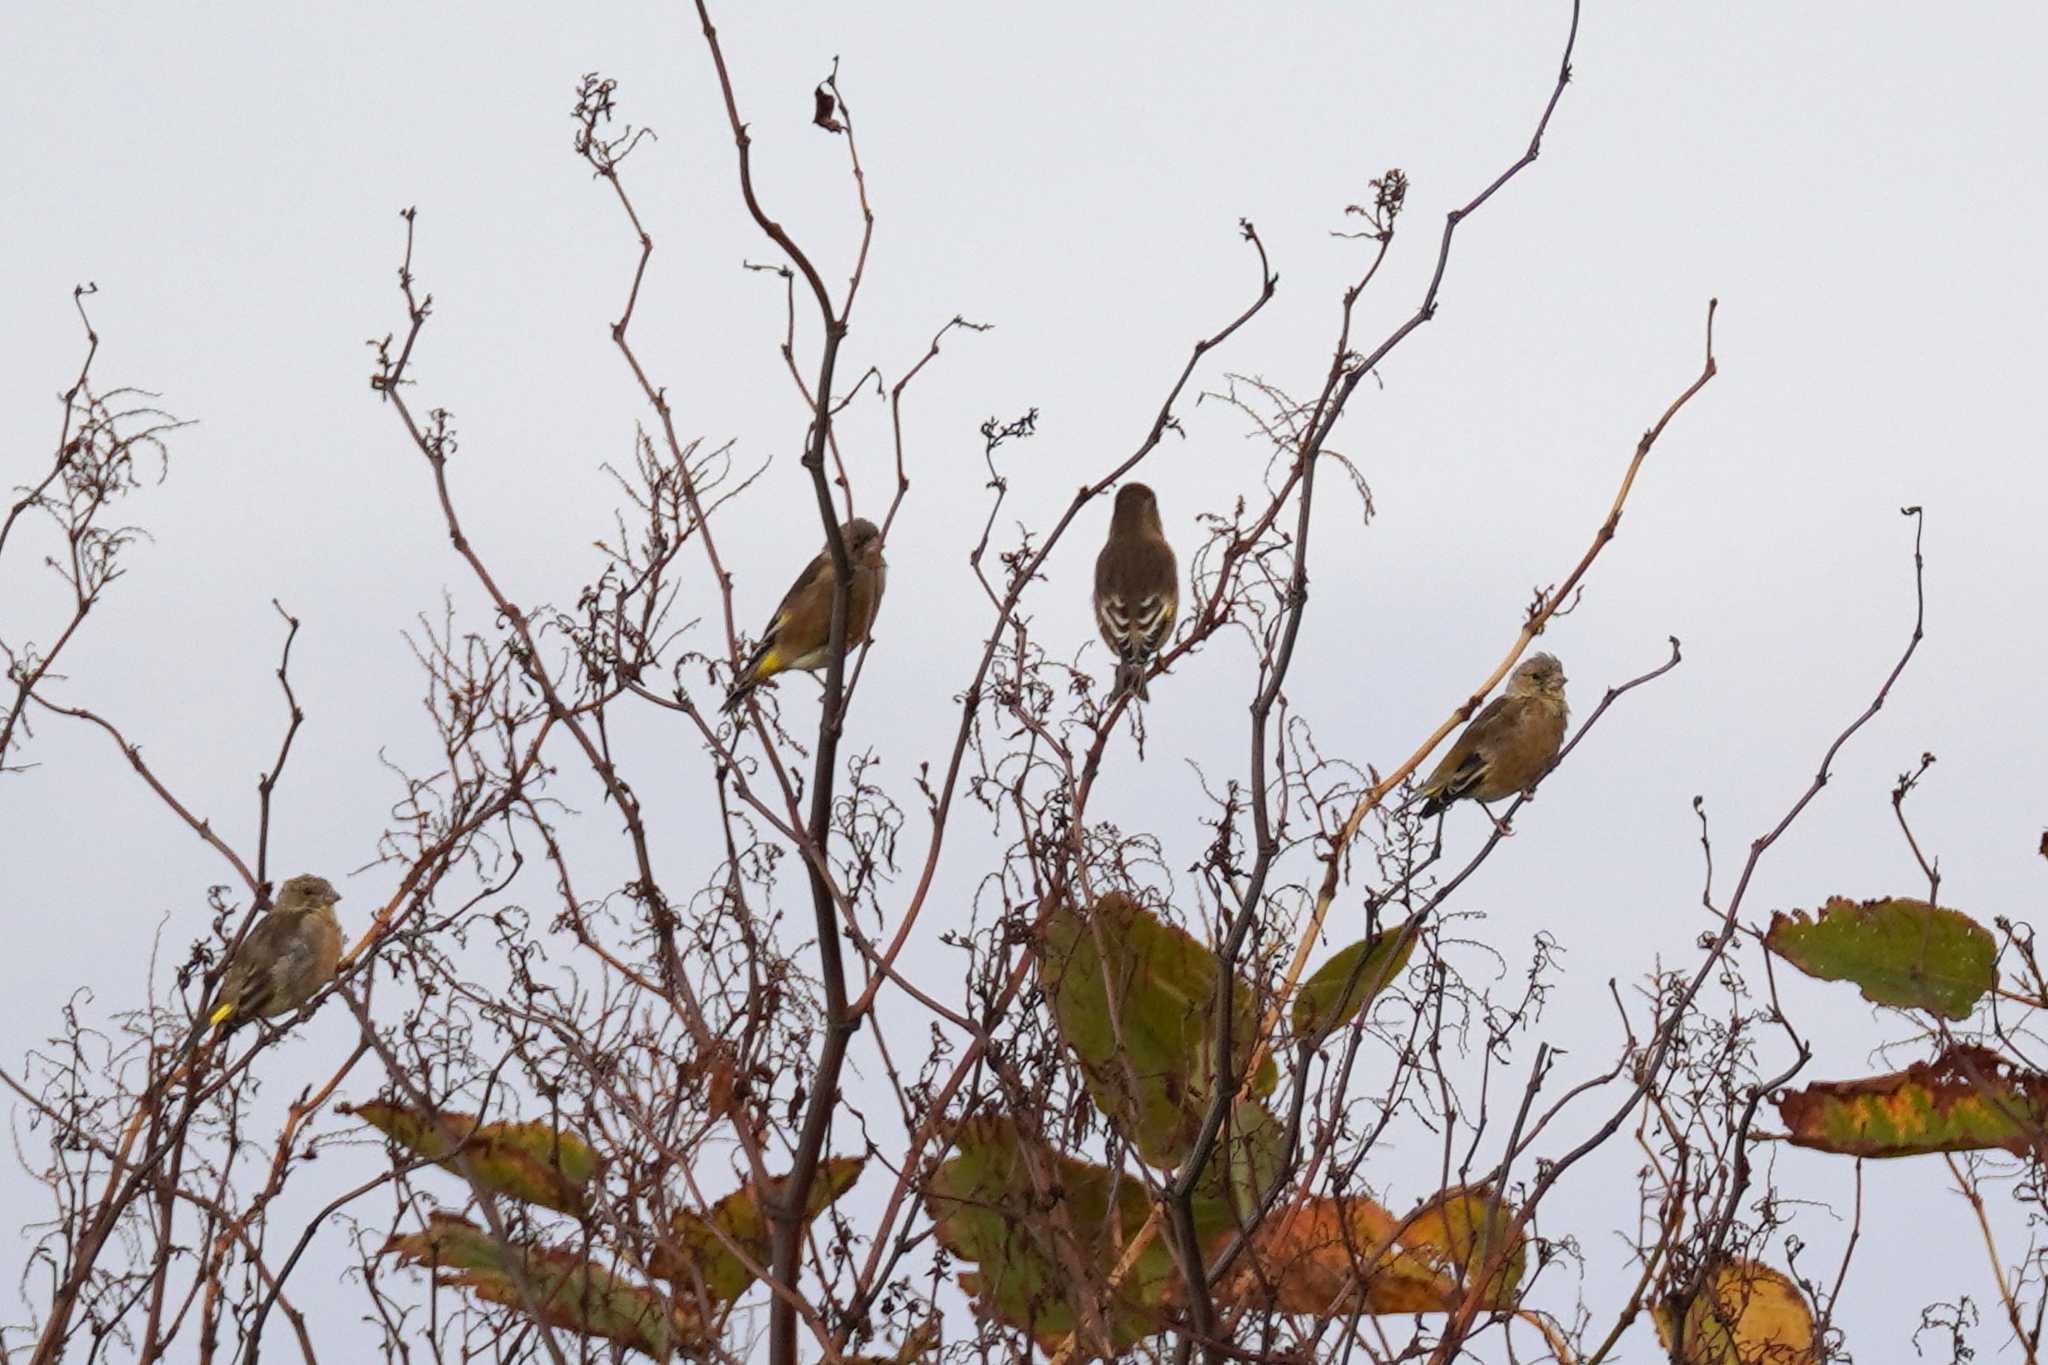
<point>1137,587</point>
<point>284,961</point>
<point>1509,745</point>
<point>799,635</point>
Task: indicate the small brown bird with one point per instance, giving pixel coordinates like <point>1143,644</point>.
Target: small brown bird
<point>284,961</point>
<point>799,635</point>
<point>1509,745</point>
<point>1137,587</point>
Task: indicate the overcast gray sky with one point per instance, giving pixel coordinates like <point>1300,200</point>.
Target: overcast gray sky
<point>1860,185</point>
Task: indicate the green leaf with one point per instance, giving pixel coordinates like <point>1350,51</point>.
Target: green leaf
<point>696,1254</point>
<point>1900,952</point>
<point>1031,1219</point>
<point>1966,1100</point>
<point>532,1162</point>
<point>1253,1142</point>
<point>1148,1063</point>
<point>1744,1314</point>
<point>569,1290</point>
<point>1245,1164</point>
<point>1347,983</point>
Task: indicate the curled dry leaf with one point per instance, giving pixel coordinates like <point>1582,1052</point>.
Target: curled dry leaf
<point>533,1162</point>
<point>919,1344</point>
<point>827,107</point>
<point>1968,1099</point>
<point>569,1290</point>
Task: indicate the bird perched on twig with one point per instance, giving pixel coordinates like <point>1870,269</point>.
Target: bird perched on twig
<point>799,635</point>
<point>1137,588</point>
<point>1509,745</point>
<point>283,962</point>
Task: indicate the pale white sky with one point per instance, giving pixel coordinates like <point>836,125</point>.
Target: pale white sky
<point>1861,186</point>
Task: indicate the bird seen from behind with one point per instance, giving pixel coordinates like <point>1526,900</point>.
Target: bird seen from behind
<point>799,635</point>
<point>1137,588</point>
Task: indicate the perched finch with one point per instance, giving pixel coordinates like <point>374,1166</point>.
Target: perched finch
<point>799,635</point>
<point>283,962</point>
<point>1509,745</point>
<point>1137,587</point>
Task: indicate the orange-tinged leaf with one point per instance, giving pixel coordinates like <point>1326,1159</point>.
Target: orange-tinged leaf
<point>566,1290</point>
<point>696,1254</point>
<point>1968,1099</point>
<point>1453,1234</point>
<point>1665,1317</point>
<point>1744,1314</point>
<point>1325,1255</point>
<point>535,1163</point>
<point>1898,951</point>
<point>1313,1256</point>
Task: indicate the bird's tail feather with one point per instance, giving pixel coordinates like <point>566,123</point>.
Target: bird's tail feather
<point>1130,678</point>
<point>1440,794</point>
<point>206,1027</point>
<point>193,1039</point>
<point>752,675</point>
